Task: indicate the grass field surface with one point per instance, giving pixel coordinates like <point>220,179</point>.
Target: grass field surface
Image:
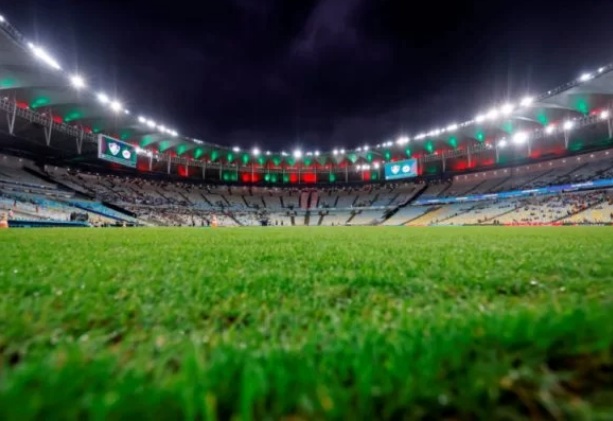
<point>306,323</point>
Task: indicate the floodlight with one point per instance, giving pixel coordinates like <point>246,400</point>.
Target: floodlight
<point>151,124</point>
<point>605,114</point>
<point>520,137</point>
<point>568,124</point>
<point>480,118</point>
<point>527,101</point>
<point>402,140</point>
<point>335,152</point>
<point>103,98</point>
<point>267,153</point>
<point>297,154</point>
<point>44,56</point>
<point>502,143</point>
<point>116,106</point>
<point>77,81</point>
<point>492,114</point>
<point>342,151</point>
<point>236,149</point>
<point>255,152</point>
<point>316,153</point>
<point>366,147</point>
<point>452,128</point>
<point>507,109</point>
<point>585,77</point>
<point>549,129</point>
<point>1,19</point>
<point>142,119</point>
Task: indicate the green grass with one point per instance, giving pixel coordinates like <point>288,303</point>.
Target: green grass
<point>306,323</point>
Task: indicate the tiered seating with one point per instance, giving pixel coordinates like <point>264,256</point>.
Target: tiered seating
<point>406,214</point>
<point>367,217</point>
<point>440,214</point>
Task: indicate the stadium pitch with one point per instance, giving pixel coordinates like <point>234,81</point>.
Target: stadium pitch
<point>306,323</point>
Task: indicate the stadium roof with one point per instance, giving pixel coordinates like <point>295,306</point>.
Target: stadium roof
<point>58,111</point>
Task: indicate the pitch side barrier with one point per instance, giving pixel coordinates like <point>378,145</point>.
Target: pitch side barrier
<point>588,185</point>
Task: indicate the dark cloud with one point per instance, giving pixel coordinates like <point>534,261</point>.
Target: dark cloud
<point>321,73</point>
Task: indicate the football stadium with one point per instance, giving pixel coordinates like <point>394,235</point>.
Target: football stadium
<point>459,272</point>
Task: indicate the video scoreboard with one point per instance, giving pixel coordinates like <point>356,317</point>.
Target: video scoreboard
<point>116,151</point>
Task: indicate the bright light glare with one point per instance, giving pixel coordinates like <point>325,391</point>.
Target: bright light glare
<point>492,114</point>
<point>520,137</point>
<point>335,152</point>
<point>502,143</point>
<point>116,106</point>
<point>103,98</point>
<point>151,124</point>
<point>549,129</point>
<point>480,118</point>
<point>1,18</point>
<point>77,81</point>
<point>568,125</point>
<point>604,114</point>
<point>452,128</point>
<point>507,109</point>
<point>316,153</point>
<point>366,147</point>
<point>255,152</point>
<point>527,101</point>
<point>342,151</point>
<point>402,140</point>
<point>142,119</point>
<point>44,56</point>
<point>236,149</point>
<point>297,154</point>
<point>585,77</point>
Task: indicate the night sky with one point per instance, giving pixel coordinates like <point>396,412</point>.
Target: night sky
<point>282,74</point>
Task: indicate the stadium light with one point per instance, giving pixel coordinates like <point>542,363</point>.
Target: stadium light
<point>492,114</point>
<point>297,154</point>
<point>103,98</point>
<point>316,153</point>
<point>359,149</point>
<point>568,124</point>
<point>549,129</point>
<point>77,81</point>
<point>605,114</point>
<point>126,112</point>
<point>151,124</point>
<point>236,149</point>
<point>420,136</point>
<point>335,152</point>
<point>2,19</point>
<point>452,128</point>
<point>480,118</point>
<point>601,70</point>
<point>507,109</point>
<point>366,147</point>
<point>585,77</point>
<point>44,56</point>
<point>342,151</point>
<point>174,133</point>
<point>255,152</point>
<point>142,119</point>
<point>376,165</point>
<point>116,106</point>
<point>520,138</point>
<point>502,143</point>
<point>402,140</point>
<point>527,101</point>
<point>267,153</point>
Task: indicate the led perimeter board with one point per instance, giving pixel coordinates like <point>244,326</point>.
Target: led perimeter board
<point>401,169</point>
<point>116,151</point>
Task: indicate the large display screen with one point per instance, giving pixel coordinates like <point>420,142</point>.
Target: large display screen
<point>401,169</point>
<point>116,151</point>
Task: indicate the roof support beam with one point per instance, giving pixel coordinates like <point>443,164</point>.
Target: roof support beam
<point>80,142</point>
<point>11,118</point>
<point>48,129</point>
